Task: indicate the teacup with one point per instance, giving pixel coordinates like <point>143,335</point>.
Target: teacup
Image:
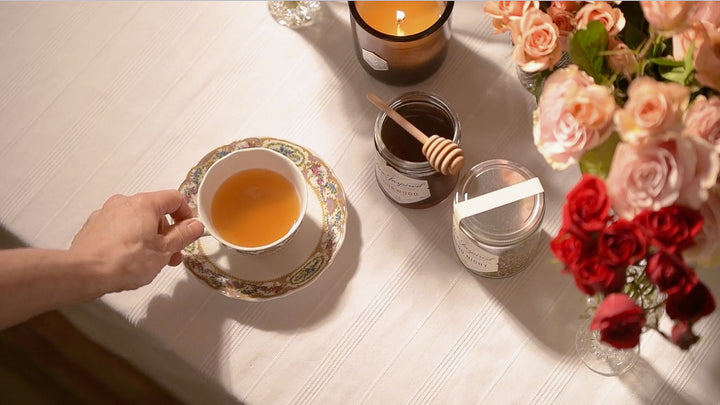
<point>252,200</point>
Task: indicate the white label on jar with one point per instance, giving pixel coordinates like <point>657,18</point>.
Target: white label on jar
<point>375,61</point>
<point>470,254</point>
<point>402,189</point>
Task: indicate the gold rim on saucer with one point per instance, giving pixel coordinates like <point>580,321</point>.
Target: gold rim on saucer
<point>293,267</point>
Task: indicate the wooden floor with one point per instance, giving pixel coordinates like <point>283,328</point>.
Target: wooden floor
<point>47,361</point>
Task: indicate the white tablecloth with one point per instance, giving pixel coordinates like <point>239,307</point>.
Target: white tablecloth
<point>100,98</point>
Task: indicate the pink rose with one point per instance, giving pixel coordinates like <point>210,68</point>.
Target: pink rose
<point>502,12</point>
<point>621,59</point>
<point>564,19</point>
<point>536,41</point>
<point>619,320</point>
<point>612,18</point>
<point>680,170</point>
<point>573,116</point>
<point>653,108</point>
<point>707,59</point>
<point>703,119</point>
<point>705,11</point>
<point>571,6</point>
<point>706,250</point>
<point>668,17</point>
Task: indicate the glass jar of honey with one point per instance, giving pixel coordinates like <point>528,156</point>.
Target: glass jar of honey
<point>497,217</point>
<point>402,171</point>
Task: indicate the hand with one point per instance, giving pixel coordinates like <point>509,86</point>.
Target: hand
<point>130,239</point>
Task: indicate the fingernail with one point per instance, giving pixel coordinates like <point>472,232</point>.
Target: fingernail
<point>196,227</point>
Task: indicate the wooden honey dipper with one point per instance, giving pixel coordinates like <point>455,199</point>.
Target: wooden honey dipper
<point>443,154</point>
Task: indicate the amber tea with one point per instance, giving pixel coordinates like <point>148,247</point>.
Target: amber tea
<point>254,207</point>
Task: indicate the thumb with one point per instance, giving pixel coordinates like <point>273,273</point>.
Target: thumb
<point>182,234</point>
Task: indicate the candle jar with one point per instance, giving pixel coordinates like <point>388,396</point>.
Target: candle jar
<point>402,171</point>
<point>501,241</point>
<point>397,44</point>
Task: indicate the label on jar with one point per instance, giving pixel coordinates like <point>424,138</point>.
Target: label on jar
<point>402,189</point>
<point>471,255</point>
<point>374,61</point>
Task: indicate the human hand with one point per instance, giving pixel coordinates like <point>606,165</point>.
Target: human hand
<point>129,240</point>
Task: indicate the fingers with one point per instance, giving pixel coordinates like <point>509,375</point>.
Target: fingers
<point>182,234</point>
<point>175,259</point>
<point>169,202</point>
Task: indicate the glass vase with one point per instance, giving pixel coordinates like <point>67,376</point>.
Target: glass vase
<point>600,357</point>
<point>529,79</point>
<point>294,14</point>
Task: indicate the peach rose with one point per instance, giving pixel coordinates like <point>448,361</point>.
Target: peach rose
<point>573,116</point>
<point>707,59</point>
<point>703,119</point>
<point>706,250</point>
<point>668,17</point>
<point>653,108</point>
<point>565,5</point>
<point>680,170</point>
<point>612,18</point>
<point>564,19</point>
<point>536,41</point>
<point>705,11</point>
<point>502,12</point>
<point>622,59</point>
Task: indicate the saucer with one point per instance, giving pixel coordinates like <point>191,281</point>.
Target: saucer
<point>297,264</point>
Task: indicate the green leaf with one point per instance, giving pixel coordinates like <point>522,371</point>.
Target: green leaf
<point>597,161</point>
<point>586,47</point>
<point>666,62</point>
<point>677,75</point>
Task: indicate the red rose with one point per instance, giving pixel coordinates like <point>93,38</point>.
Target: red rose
<point>691,306</point>
<point>670,273</point>
<point>622,243</point>
<point>588,206</point>
<point>571,250</point>
<point>595,277</point>
<point>683,336</point>
<point>671,228</point>
<point>619,320</point>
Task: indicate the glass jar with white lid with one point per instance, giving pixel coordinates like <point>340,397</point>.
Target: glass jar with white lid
<point>497,218</point>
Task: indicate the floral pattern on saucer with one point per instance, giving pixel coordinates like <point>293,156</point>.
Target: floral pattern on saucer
<point>327,190</point>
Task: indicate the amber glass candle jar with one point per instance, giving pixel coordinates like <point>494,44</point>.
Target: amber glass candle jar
<point>401,42</point>
<point>402,171</point>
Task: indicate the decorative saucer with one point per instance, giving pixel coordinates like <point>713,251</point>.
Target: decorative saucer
<point>297,264</point>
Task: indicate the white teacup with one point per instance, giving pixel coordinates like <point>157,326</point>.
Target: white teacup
<point>242,161</point>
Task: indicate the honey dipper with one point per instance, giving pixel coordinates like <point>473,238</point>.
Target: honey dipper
<point>443,154</point>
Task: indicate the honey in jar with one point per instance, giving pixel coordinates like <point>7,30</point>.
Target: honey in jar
<point>402,170</point>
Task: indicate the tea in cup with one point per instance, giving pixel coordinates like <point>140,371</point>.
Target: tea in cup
<point>252,200</point>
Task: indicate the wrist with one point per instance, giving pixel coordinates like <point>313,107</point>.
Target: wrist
<point>89,274</point>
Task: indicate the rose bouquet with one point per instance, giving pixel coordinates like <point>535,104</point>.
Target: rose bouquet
<point>638,109</point>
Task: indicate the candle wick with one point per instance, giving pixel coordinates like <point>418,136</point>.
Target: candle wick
<point>399,16</point>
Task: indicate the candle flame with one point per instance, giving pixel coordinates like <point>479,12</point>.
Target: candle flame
<point>399,16</point>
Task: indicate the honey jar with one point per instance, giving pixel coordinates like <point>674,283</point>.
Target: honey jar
<point>402,171</point>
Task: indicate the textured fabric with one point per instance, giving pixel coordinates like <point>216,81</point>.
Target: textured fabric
<point>98,98</point>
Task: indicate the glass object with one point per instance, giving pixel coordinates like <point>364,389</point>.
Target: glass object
<point>499,241</point>
<point>529,79</point>
<point>294,14</point>
<point>402,171</point>
<point>597,355</point>
<point>414,51</point>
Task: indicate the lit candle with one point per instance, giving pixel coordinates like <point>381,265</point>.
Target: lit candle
<point>400,18</point>
<point>401,42</point>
